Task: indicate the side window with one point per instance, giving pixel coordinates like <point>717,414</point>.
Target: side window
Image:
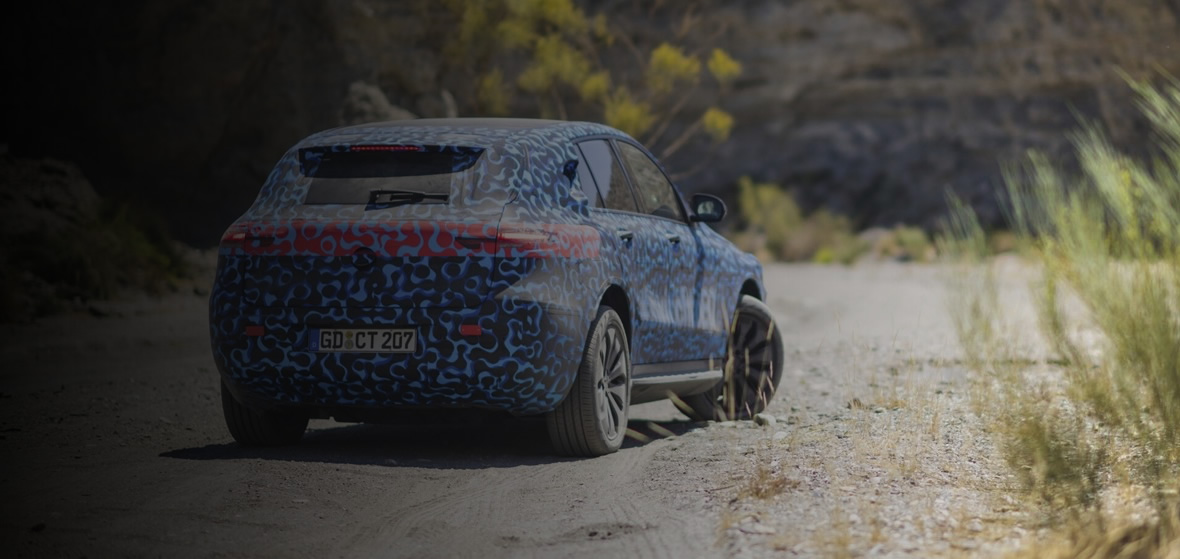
<point>586,180</point>
<point>608,175</point>
<point>655,193</point>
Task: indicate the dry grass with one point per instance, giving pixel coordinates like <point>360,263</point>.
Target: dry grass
<point>1095,537</point>
<point>1093,430</point>
<point>895,471</point>
<point>766,481</point>
<point>908,436</point>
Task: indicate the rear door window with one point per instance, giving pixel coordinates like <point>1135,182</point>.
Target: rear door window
<point>409,174</point>
<point>586,180</point>
<point>654,190</point>
<point>608,175</point>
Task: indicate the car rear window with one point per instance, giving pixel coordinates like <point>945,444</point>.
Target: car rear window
<point>352,174</point>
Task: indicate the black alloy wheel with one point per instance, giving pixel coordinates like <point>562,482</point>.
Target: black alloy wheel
<point>592,420</point>
<point>752,370</point>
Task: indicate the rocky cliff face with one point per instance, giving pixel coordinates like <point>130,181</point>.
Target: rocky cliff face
<point>185,106</point>
<point>876,107</point>
<point>870,107</point>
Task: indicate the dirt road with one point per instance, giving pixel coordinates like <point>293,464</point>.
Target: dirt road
<point>113,445</point>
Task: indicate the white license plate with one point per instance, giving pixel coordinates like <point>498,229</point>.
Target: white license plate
<point>364,340</point>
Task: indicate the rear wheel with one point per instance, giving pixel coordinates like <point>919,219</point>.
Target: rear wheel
<point>251,427</point>
<point>592,420</point>
<point>752,371</point>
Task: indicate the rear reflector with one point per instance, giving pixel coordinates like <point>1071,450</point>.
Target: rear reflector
<point>470,330</point>
<point>255,330</point>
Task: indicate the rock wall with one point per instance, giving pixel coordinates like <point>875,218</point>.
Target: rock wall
<point>875,108</point>
<point>872,108</point>
<point>183,107</point>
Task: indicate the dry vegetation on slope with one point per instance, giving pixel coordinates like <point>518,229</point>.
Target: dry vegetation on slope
<point>1091,429</point>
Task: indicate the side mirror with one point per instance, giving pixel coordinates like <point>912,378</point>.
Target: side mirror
<point>707,208</point>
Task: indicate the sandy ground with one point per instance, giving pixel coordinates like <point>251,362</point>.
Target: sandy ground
<point>113,445</point>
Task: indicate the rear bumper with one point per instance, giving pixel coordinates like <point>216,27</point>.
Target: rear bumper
<point>523,363</point>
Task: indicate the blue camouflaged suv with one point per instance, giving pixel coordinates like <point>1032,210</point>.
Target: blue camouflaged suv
<point>524,266</point>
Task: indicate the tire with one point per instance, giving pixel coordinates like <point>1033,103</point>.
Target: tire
<point>251,427</point>
<point>592,419</point>
<point>752,370</point>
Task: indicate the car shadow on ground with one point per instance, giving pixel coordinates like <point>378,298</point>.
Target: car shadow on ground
<point>499,444</point>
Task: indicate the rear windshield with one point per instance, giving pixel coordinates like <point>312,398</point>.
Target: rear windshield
<point>363,174</point>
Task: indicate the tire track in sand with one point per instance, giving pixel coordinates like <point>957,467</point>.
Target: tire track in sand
<point>611,505</point>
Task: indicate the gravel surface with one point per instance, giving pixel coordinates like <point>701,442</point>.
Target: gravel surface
<point>114,445</point>
<point>874,450</point>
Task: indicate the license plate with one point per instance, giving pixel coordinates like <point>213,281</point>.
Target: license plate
<point>364,340</point>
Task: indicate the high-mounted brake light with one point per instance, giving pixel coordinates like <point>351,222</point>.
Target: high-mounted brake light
<point>384,148</point>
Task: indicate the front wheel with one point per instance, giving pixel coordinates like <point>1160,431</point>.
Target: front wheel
<point>251,427</point>
<point>592,420</point>
<point>752,371</point>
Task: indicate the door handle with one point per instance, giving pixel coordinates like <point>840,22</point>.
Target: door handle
<point>625,234</point>
<point>674,239</point>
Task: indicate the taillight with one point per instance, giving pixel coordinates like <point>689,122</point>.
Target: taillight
<point>547,241</point>
<point>525,241</point>
<point>240,233</point>
<point>235,236</point>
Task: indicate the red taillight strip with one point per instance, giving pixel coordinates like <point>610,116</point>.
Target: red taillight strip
<point>234,236</point>
<point>548,241</point>
<point>415,238</point>
<point>407,238</point>
<point>241,234</point>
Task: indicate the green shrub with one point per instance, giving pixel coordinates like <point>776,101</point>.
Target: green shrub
<point>903,243</point>
<point>549,58</point>
<point>773,227</point>
<point>768,210</point>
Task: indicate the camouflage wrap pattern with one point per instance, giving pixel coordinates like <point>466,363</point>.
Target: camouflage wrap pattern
<point>520,253</point>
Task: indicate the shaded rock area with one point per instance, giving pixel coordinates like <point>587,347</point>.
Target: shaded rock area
<point>367,103</point>
<point>41,201</point>
<point>62,247</point>
<point>872,108</point>
<point>42,196</point>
